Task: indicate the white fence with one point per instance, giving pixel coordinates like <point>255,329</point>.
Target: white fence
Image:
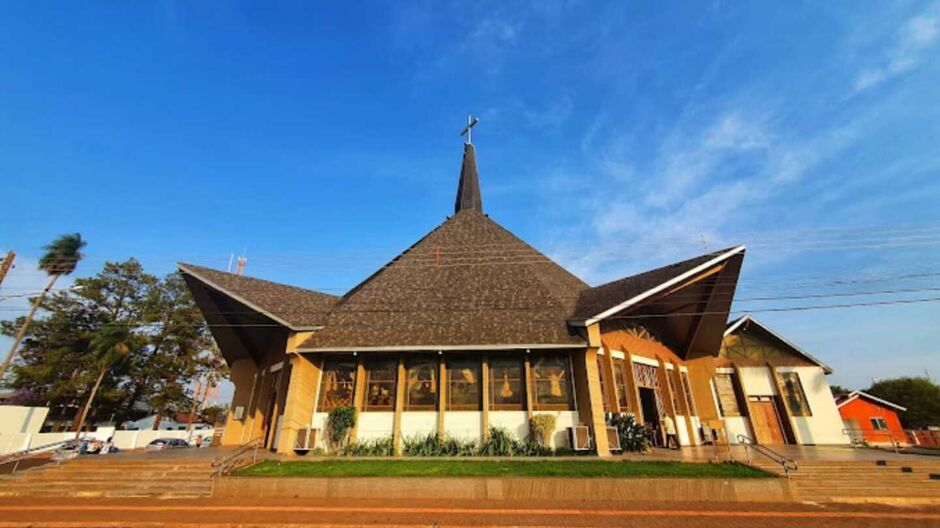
<point>11,443</point>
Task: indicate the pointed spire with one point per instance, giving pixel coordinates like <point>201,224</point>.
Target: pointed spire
<point>468,190</point>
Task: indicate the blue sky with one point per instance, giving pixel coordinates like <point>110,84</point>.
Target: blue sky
<point>615,137</point>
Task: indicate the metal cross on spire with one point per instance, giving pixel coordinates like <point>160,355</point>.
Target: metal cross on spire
<point>468,130</point>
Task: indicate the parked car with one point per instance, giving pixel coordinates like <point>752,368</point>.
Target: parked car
<point>166,443</point>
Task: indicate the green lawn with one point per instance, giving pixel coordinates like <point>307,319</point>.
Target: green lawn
<point>498,468</point>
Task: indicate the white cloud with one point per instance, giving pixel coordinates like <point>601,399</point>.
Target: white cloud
<point>907,51</point>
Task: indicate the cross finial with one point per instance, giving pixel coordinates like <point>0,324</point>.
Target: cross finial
<point>468,130</point>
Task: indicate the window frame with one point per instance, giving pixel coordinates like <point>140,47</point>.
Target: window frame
<point>477,364</point>
<point>329,362</point>
<point>621,373</point>
<point>875,420</point>
<point>411,363</point>
<point>391,384</point>
<point>516,361</point>
<point>782,377</point>
<point>539,406</point>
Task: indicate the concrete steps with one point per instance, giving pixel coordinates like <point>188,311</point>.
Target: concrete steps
<point>865,481</point>
<point>114,478</point>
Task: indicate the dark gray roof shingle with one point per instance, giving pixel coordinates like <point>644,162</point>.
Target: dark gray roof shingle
<point>298,307</point>
<point>468,282</point>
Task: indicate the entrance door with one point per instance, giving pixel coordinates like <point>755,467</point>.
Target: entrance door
<point>650,415</point>
<point>766,421</point>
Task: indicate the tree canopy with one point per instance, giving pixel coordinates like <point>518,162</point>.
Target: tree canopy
<point>165,347</point>
<point>921,397</point>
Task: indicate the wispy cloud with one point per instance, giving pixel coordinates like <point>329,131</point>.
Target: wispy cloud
<point>911,44</point>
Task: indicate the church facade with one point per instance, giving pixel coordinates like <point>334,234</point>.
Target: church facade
<point>471,328</point>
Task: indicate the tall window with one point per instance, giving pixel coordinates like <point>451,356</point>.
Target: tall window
<point>727,395</point>
<point>422,379</point>
<point>507,384</point>
<point>381,378</point>
<point>620,373</point>
<point>604,382</point>
<point>793,394</point>
<point>551,382</point>
<point>337,383</point>
<point>464,391</point>
<point>688,393</point>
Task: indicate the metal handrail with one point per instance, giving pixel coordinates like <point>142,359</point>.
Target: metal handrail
<point>788,464</point>
<point>16,457</point>
<point>892,437</point>
<point>230,462</point>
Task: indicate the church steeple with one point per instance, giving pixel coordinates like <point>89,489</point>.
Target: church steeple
<point>468,190</point>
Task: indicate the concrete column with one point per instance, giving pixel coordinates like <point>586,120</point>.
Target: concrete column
<point>358,394</point>
<point>485,394</point>
<point>401,382</point>
<point>243,374</point>
<point>302,387</point>
<point>590,404</point>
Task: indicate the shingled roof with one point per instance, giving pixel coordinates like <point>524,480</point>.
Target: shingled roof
<point>468,283</point>
<point>296,308</point>
<point>593,303</point>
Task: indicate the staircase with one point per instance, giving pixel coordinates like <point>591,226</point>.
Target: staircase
<point>106,476</point>
<point>869,481</point>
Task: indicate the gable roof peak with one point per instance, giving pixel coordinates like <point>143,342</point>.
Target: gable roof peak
<point>468,189</point>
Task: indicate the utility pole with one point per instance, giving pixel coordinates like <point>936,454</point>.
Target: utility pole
<point>6,265</point>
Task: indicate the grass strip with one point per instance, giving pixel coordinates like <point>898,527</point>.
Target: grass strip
<point>499,468</point>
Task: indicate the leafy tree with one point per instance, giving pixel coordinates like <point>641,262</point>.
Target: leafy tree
<point>839,389</point>
<point>108,346</point>
<point>920,396</point>
<point>169,349</point>
<point>61,258</point>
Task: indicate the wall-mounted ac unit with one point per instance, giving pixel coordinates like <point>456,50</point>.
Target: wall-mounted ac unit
<point>579,437</point>
<point>306,440</point>
<point>613,439</point>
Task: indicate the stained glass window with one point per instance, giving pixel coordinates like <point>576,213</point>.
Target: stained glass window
<point>337,383</point>
<point>464,391</point>
<point>422,378</point>
<point>507,384</point>
<point>381,377</point>
<point>620,373</point>
<point>727,395</point>
<point>551,382</point>
<point>793,394</point>
<point>604,382</point>
<point>688,393</point>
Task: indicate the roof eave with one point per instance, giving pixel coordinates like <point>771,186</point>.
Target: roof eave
<point>653,291</point>
<point>443,348</point>
<point>748,317</point>
<point>296,328</point>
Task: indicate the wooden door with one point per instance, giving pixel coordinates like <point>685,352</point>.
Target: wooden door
<point>766,421</point>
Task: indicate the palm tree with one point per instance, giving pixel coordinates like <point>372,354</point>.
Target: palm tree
<point>107,347</point>
<point>61,258</point>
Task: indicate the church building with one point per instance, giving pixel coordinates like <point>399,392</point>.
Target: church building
<point>471,328</point>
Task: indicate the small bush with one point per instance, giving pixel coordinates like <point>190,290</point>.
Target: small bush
<point>500,443</point>
<point>369,448</point>
<point>632,437</point>
<point>542,427</point>
<point>530,448</point>
<point>431,445</point>
<point>341,420</point>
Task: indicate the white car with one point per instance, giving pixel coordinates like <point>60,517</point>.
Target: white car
<point>166,443</point>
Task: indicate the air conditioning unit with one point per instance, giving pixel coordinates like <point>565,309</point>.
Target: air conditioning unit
<point>613,439</point>
<point>306,440</point>
<point>579,437</point>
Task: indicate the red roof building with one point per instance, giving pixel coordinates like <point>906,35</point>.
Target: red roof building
<point>869,419</point>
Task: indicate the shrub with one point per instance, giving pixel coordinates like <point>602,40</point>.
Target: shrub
<point>432,445</point>
<point>499,443</point>
<point>341,420</point>
<point>631,434</point>
<point>532,448</point>
<point>375,447</point>
<point>542,427</point>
